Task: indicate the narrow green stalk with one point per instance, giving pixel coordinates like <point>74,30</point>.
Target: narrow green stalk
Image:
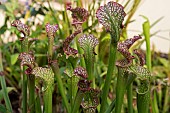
<point>159,94</point>
<point>80,51</point>
<point>154,103</point>
<point>38,104</point>
<point>129,85</point>
<point>89,58</point>
<point>5,94</point>
<point>31,86</point>
<point>72,82</point>
<point>48,99</point>
<point>120,89</point>
<point>50,47</point>
<point>130,98</point>
<point>24,48</point>
<point>77,101</point>
<point>24,91</point>
<point>111,68</point>
<point>89,64</point>
<point>74,89</point>
<point>166,100</point>
<point>4,88</point>
<point>71,92</point>
<point>111,107</point>
<point>131,78</point>
<point>56,71</point>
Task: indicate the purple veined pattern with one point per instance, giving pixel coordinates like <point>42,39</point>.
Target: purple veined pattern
<point>91,99</point>
<point>26,59</point>
<point>123,47</point>
<point>21,27</point>
<point>79,15</point>
<point>80,71</point>
<point>84,85</point>
<point>66,48</point>
<point>94,92</point>
<point>129,42</point>
<point>109,14</point>
<point>88,40</point>
<point>140,55</point>
<point>123,63</point>
<point>70,51</point>
<point>51,29</point>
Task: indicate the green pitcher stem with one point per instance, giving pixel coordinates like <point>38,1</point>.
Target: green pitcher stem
<point>5,95</point>
<point>120,89</point>
<point>48,99</point>
<point>50,47</point>
<point>4,88</point>
<point>24,91</point>
<point>131,78</point>
<point>24,45</point>
<point>80,51</point>
<point>56,71</point>
<point>73,90</point>
<point>31,86</point>
<point>77,101</point>
<point>165,105</point>
<point>130,98</point>
<point>111,107</point>
<point>89,58</point>
<point>143,102</point>
<point>154,102</point>
<point>143,98</point>
<point>38,104</point>
<point>24,48</point>
<point>111,68</point>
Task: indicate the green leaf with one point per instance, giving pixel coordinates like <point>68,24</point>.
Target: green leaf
<point>9,8</point>
<point>157,21</point>
<point>2,6</point>
<point>2,109</point>
<point>3,29</point>
<point>14,58</point>
<point>9,89</point>
<point>164,62</point>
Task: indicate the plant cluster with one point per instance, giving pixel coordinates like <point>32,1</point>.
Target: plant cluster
<point>69,76</point>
